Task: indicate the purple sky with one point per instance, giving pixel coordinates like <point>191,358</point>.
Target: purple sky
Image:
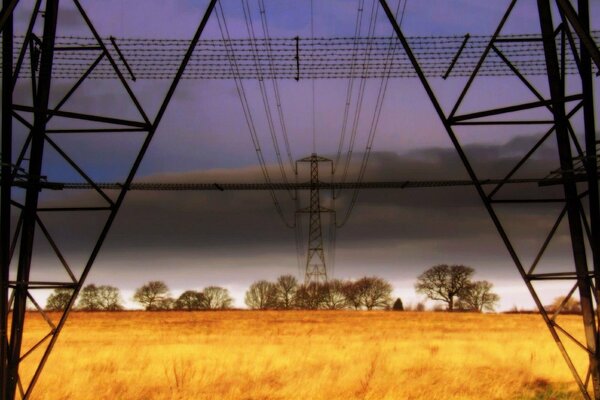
<point>192,240</point>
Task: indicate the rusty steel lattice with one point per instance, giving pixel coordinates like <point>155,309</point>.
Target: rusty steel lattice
<point>565,46</point>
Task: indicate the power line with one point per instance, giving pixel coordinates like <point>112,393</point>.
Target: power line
<point>339,57</point>
<point>251,186</point>
<point>248,115</point>
<point>314,122</point>
<point>265,26</point>
<point>263,90</point>
<point>350,86</point>
<point>374,121</point>
<point>361,92</point>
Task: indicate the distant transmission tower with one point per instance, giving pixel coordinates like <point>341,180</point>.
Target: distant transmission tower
<point>316,267</point>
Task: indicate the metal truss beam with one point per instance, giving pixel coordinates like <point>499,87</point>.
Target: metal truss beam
<point>306,58</point>
<point>581,28</point>
<point>6,15</point>
<point>551,180</point>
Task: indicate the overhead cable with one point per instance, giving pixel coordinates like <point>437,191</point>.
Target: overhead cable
<point>248,114</point>
<point>331,58</point>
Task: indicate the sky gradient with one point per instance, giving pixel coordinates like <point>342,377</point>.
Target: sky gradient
<point>193,240</point>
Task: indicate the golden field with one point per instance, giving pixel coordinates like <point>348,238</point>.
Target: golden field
<point>304,355</point>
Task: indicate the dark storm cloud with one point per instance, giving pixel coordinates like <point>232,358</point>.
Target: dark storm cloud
<point>427,222</point>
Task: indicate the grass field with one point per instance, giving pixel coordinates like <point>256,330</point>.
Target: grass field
<point>304,355</point>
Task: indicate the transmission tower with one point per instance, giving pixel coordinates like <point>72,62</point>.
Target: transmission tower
<point>316,266</point>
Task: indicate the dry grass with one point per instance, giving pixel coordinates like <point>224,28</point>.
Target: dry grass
<point>304,355</point>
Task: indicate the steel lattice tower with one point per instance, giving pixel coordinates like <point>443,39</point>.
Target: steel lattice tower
<point>316,266</point>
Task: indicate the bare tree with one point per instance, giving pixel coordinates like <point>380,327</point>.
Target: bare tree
<point>100,298</point>
<point>444,283</point>
<point>310,296</point>
<point>168,303</point>
<point>261,295</point>
<point>217,298</point>
<point>375,292</point>
<point>334,297</point>
<point>352,293</point>
<point>190,300</point>
<point>152,295</point>
<point>59,299</point>
<point>478,296</point>
<point>109,298</point>
<point>286,288</point>
<point>88,298</point>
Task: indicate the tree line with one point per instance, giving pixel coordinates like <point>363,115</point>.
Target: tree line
<point>91,298</point>
<point>152,296</point>
<point>287,293</point>
<point>452,285</point>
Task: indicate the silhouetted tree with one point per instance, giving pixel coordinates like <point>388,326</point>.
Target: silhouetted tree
<point>286,288</point>
<point>398,306</point>
<point>478,296</point>
<point>261,295</point>
<point>152,295</point>
<point>310,296</point>
<point>217,298</point>
<point>88,298</point>
<point>96,298</point>
<point>352,292</point>
<point>109,298</point>
<point>333,296</point>
<point>444,283</point>
<point>190,300</point>
<point>58,299</point>
<point>168,303</point>
<point>374,292</point>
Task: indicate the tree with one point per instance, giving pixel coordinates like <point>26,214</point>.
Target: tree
<point>352,293</point>
<point>286,288</point>
<point>103,297</point>
<point>168,303</point>
<point>88,298</point>
<point>374,292</point>
<point>334,298</point>
<point>109,298</point>
<point>444,283</point>
<point>398,306</point>
<point>310,296</point>
<point>59,300</point>
<point>217,298</point>
<point>478,296</point>
<point>261,295</point>
<point>152,295</point>
<point>190,300</point>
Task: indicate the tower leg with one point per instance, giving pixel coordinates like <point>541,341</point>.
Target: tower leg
<point>5,192</point>
<point>32,196</point>
<point>557,92</point>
